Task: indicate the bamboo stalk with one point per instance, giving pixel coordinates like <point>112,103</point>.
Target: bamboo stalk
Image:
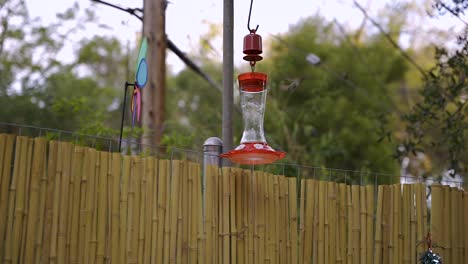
<point>356,225</point>
<point>232,215</point>
<point>420,196</point>
<point>5,176</point>
<point>350,225</point>
<point>151,207</point>
<point>174,201</point>
<point>33,213</point>
<point>363,221</point>
<point>321,221</point>
<point>446,243</point>
<point>41,210</point>
<point>378,227</point>
<point>332,223</point>
<point>59,171</point>
<point>63,215</point>
<point>386,224</point>
<point>370,222</point>
<point>219,216</point>
<point>454,227</point>
<point>102,206</point>
<point>302,212</point>
<point>114,240</point>
<point>240,223</point>
<point>94,211</point>
<point>27,192</point>
<point>209,215</point>
<point>201,238</point>
<point>184,217</point>
<point>89,209</point>
<point>124,210</point>
<point>250,220</point>
<point>407,203</point>
<point>136,175</point>
<point>155,218</point>
<point>163,207</point>
<point>308,218</point>
<point>19,205</point>
<point>74,203</point>
<point>393,227</point>
<point>194,212</point>
<point>398,224</point>
<point>283,201</point>
<point>260,206</point>
<point>465,219</point>
<point>293,210</point>
<point>341,234</point>
<point>142,208</point>
<point>224,209</point>
<point>84,184</point>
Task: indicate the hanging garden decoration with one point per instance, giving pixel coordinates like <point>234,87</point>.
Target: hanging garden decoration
<point>253,148</point>
<point>429,257</point>
<point>141,78</point>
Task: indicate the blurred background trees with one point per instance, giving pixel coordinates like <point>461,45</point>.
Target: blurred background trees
<point>363,107</point>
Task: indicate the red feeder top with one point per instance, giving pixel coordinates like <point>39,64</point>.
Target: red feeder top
<point>252,81</point>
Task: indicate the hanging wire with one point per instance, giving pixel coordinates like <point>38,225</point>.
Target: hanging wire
<point>248,21</point>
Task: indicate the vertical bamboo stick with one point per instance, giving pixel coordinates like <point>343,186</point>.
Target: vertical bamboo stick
<point>75,182</point>
<point>370,222</point>
<point>284,219</point>
<point>219,216</point>
<point>102,206</point>
<point>84,193</point>
<point>198,208</point>
<point>114,240</point>
<point>26,200</point>
<point>163,208</point>
<point>90,204</point>
<point>332,222</point>
<point>137,175</point>
<point>193,212</point>
<point>20,205</point>
<point>350,226</point>
<point>465,219</point>
<point>446,243</point>
<point>124,209</point>
<point>33,213</point>
<point>397,234</point>
<point>322,194</point>
<point>355,189</point>
<point>341,238</point>
<point>224,216</point>
<point>250,220</point>
<point>232,215</point>
<point>142,208</point>
<point>406,222</point>
<point>437,222</point>
<point>9,236</point>
<point>151,202</point>
<point>94,211</point>
<point>207,225</point>
<point>315,221</point>
<point>56,203</point>
<point>270,220</point>
<point>302,212</point>
<point>293,219</point>
<point>363,221</point>
<point>420,197</point>
<point>260,207</point>
<point>309,201</point>
<point>174,195</point>
<point>387,225</point>
<point>240,223</point>
<point>393,229</point>
<point>184,217</point>
<point>41,211</point>
<point>454,227</point>
<point>154,217</point>
<point>413,224</point>
<point>5,176</point>
<point>64,197</point>
<point>378,227</point>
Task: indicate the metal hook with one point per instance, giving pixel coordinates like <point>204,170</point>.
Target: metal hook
<point>248,22</point>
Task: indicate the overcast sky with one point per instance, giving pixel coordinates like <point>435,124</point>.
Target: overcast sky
<point>185,18</point>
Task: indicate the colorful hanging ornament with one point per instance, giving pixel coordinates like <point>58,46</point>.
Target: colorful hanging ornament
<point>253,148</point>
<point>141,77</point>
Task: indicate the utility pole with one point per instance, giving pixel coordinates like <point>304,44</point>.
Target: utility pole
<point>154,95</point>
<point>228,74</point>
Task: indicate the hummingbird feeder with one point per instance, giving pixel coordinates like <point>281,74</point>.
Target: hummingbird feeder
<point>253,148</point>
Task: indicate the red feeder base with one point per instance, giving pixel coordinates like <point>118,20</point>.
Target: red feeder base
<point>253,153</point>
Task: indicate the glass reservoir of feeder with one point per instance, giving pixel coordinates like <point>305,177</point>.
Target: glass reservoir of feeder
<point>253,98</point>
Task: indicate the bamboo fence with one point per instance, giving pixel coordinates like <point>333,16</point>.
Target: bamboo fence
<point>62,203</point>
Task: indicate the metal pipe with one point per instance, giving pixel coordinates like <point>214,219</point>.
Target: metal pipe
<point>228,73</point>
<point>212,147</point>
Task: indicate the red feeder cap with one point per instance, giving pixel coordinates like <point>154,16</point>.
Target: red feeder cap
<point>253,153</point>
<point>252,81</point>
<point>253,47</point>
